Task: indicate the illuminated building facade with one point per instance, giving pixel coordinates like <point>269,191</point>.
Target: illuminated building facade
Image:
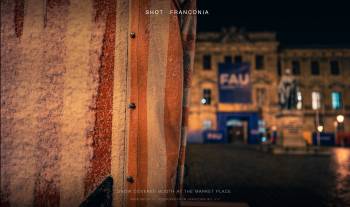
<point>322,74</point>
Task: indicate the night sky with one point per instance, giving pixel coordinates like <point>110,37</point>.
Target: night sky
<point>296,24</point>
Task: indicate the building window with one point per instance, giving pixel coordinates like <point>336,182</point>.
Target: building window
<point>337,101</point>
<point>260,96</point>
<point>228,59</point>
<point>259,62</point>
<point>206,99</point>
<point>315,68</point>
<point>238,59</point>
<point>316,100</point>
<point>207,62</point>
<point>299,100</point>
<point>206,124</point>
<point>295,67</point>
<point>334,67</point>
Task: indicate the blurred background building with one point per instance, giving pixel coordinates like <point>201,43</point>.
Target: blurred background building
<point>322,73</point>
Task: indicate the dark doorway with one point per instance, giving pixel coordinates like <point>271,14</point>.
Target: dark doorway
<point>235,134</point>
<point>237,131</point>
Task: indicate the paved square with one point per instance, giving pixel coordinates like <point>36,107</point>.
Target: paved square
<point>262,179</point>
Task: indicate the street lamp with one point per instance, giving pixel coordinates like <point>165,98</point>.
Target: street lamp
<point>340,126</point>
<point>320,128</point>
<point>340,118</point>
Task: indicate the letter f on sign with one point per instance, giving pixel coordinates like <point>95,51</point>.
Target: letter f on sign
<point>223,79</point>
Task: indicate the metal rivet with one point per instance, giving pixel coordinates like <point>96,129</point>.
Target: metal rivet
<point>132,34</point>
<point>130,179</point>
<point>132,106</point>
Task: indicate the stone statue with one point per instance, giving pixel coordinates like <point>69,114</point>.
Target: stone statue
<point>287,91</point>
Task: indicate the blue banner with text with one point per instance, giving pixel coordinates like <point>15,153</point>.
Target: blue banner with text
<point>234,83</point>
<point>214,136</point>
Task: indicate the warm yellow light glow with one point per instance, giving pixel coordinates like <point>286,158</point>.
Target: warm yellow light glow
<point>340,118</point>
<point>341,157</point>
<point>320,128</point>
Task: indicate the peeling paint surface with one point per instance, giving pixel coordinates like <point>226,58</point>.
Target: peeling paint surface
<point>102,134</point>
<point>49,84</point>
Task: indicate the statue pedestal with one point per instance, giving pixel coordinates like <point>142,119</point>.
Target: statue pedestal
<point>290,123</point>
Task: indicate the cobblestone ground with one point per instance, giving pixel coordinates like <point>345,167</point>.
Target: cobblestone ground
<point>262,179</point>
